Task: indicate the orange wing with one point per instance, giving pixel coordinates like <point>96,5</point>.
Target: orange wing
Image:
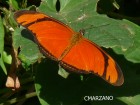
<point>87,57</point>
<point>52,36</point>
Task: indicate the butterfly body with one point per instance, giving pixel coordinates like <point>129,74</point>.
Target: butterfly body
<point>74,52</point>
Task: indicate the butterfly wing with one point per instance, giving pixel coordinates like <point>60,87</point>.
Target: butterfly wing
<point>87,57</point>
<point>51,35</point>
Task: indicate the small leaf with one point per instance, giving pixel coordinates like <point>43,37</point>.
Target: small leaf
<point>62,72</point>
<point>7,58</point>
<point>114,2</point>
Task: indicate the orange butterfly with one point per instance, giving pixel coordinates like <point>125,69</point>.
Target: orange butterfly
<point>69,48</point>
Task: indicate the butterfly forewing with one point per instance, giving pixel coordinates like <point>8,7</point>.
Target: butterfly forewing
<point>51,35</point>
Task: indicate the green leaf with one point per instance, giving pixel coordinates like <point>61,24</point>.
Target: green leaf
<point>14,4</point>
<point>132,53</point>
<point>133,100</point>
<point>62,72</point>
<point>1,36</point>
<point>2,46</point>
<point>29,51</point>
<point>7,58</point>
<point>115,4</point>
